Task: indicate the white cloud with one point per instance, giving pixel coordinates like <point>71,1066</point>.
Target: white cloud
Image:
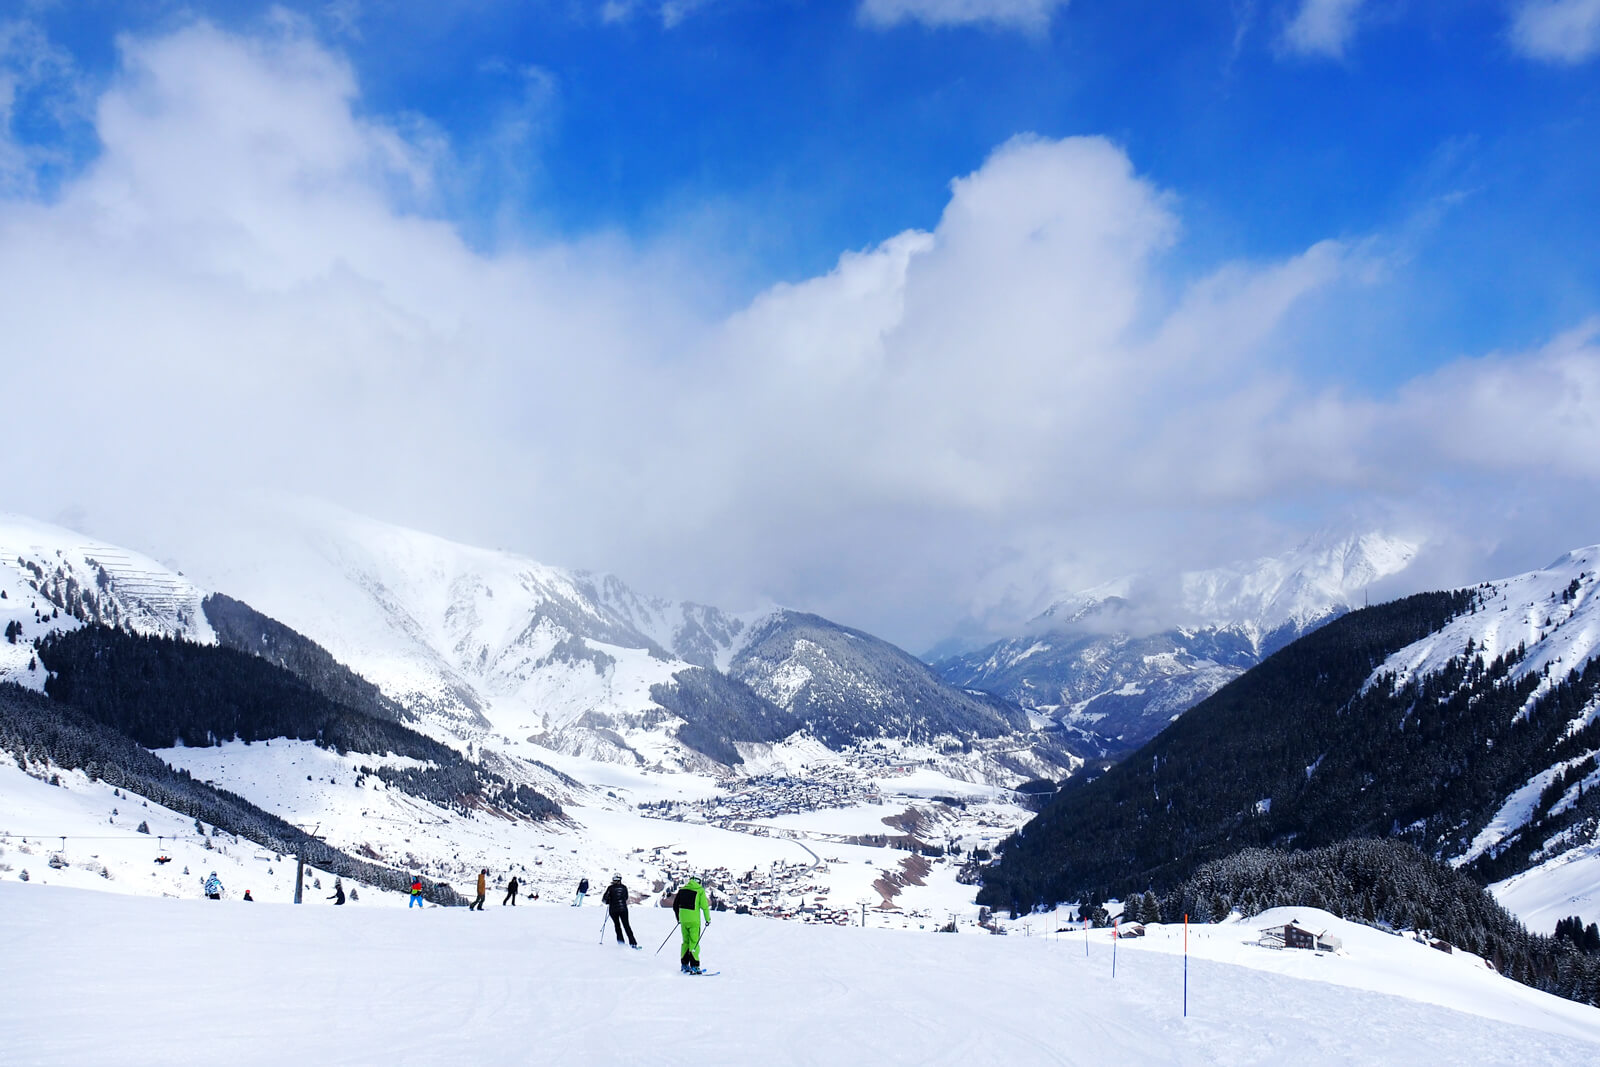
<point>670,12</point>
<point>248,288</point>
<point>1028,15</point>
<point>1322,27</point>
<point>1557,31</point>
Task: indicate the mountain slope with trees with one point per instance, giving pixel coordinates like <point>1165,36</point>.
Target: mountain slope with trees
<point>161,692</point>
<point>1263,761</point>
<point>43,733</point>
<point>1466,723</point>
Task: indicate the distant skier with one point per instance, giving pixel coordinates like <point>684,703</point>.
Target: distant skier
<point>583,887</point>
<point>483,889</point>
<point>511,893</point>
<point>416,893</point>
<point>338,893</point>
<point>213,887</point>
<point>616,898</point>
<point>691,904</point>
<point>248,897</point>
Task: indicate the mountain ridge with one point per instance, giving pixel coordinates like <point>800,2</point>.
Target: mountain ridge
<point>1122,659</point>
<point>1465,722</point>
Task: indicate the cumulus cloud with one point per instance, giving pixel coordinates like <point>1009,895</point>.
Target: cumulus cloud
<point>253,286</point>
<point>1028,15</point>
<point>1322,27</point>
<point>1557,31</point>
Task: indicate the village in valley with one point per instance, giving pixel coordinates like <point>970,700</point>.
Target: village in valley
<point>842,818</point>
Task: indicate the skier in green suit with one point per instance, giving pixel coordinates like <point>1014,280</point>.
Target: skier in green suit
<point>690,904</point>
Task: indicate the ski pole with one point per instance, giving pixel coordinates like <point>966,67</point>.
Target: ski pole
<point>664,940</point>
<point>603,919</point>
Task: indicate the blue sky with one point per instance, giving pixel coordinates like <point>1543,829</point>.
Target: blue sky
<point>790,131</point>
<point>1421,178</point>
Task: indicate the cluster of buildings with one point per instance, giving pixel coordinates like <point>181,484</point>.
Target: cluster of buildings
<point>766,796</point>
<point>782,890</point>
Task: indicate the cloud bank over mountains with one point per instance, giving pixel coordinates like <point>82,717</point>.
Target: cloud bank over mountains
<point>255,283</point>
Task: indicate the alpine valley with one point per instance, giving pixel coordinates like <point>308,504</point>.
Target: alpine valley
<point>438,708</point>
<point>390,705</point>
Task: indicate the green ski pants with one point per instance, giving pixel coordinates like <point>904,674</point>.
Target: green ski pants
<point>689,925</point>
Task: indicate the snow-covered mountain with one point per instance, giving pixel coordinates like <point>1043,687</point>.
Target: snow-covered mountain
<point>52,578</point>
<point>845,687</point>
<point>1123,659</point>
<point>1464,722</point>
<point>479,647</point>
<point>1544,836</point>
<point>652,710</point>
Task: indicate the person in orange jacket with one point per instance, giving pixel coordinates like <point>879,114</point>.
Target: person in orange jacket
<point>483,890</point>
<point>416,893</point>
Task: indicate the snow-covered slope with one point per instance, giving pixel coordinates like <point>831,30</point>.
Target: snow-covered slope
<point>1550,613</point>
<point>480,641</point>
<point>1125,658</point>
<point>1545,627</point>
<point>531,984</point>
<point>52,577</point>
<point>494,648</point>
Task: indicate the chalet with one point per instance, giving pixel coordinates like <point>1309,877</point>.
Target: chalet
<point>1292,935</point>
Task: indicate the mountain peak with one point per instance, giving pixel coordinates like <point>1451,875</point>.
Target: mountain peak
<point>1324,575</point>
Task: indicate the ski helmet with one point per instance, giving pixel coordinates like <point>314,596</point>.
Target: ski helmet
<point>616,877</point>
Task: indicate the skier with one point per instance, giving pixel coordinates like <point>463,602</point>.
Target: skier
<point>338,893</point>
<point>583,887</point>
<point>511,893</point>
<point>616,898</point>
<point>248,897</point>
<point>690,903</point>
<point>416,893</point>
<point>213,887</point>
<point>483,889</point>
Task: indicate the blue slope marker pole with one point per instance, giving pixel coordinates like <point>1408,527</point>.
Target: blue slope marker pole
<point>1186,965</point>
<point>1086,939</point>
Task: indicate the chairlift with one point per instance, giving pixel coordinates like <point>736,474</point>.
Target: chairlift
<point>161,853</point>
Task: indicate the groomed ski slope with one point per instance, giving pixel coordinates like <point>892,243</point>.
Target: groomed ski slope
<point>95,977</point>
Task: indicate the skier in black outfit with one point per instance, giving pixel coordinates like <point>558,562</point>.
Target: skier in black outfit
<point>338,893</point>
<point>616,898</point>
<point>511,893</point>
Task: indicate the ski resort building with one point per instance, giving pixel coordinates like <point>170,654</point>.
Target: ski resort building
<point>1292,935</point>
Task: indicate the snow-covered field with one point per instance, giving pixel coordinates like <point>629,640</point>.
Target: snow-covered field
<point>150,981</point>
<point>1567,885</point>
